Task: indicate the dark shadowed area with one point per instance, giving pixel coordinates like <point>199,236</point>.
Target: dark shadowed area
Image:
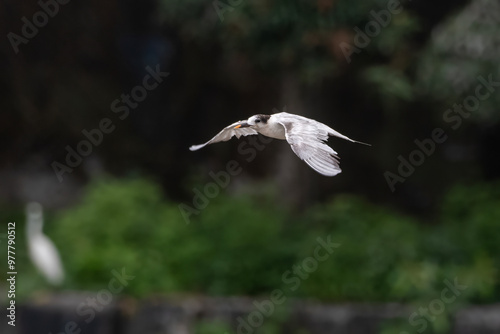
<point>100,102</point>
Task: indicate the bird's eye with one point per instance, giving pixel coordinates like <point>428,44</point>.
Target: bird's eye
<point>257,121</point>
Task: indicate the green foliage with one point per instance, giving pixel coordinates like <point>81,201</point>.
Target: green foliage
<point>243,246</point>
<point>229,249</point>
<point>462,49</point>
<point>397,326</point>
<point>374,242</point>
<point>211,327</point>
<point>282,36</point>
<point>390,85</point>
<point>470,218</point>
<point>118,225</point>
<point>232,248</point>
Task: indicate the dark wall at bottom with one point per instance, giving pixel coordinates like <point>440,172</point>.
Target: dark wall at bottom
<point>98,313</point>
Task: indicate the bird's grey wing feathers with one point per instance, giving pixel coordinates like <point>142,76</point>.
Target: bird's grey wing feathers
<point>307,137</point>
<point>227,133</point>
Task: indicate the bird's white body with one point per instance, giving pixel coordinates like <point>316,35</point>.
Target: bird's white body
<point>42,252</point>
<point>305,136</point>
<point>274,129</point>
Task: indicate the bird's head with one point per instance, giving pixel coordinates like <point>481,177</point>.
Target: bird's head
<point>256,121</point>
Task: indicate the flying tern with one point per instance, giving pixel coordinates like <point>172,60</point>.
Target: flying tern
<point>306,137</point>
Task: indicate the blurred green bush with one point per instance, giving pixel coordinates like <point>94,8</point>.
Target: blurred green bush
<point>243,245</point>
<point>235,246</point>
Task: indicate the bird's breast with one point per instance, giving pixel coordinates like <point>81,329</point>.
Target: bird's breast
<point>273,130</point>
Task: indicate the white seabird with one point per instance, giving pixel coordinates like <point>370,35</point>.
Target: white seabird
<point>306,137</point>
<point>42,252</point>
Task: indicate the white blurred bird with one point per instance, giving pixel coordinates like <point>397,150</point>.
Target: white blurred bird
<point>42,251</point>
<point>306,137</point>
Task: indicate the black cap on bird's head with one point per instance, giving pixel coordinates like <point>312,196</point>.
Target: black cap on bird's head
<point>255,120</point>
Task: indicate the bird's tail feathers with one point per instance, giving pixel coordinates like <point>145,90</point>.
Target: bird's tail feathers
<point>360,142</point>
<point>332,132</point>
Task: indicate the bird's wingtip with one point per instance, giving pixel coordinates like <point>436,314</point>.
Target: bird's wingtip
<point>332,174</point>
<point>195,147</point>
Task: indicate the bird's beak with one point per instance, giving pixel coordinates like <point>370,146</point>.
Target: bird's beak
<point>242,125</point>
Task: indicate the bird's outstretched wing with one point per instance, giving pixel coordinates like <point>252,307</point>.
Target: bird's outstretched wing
<point>307,137</point>
<point>227,133</point>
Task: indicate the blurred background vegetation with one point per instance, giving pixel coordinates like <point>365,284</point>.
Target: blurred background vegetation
<point>119,208</point>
